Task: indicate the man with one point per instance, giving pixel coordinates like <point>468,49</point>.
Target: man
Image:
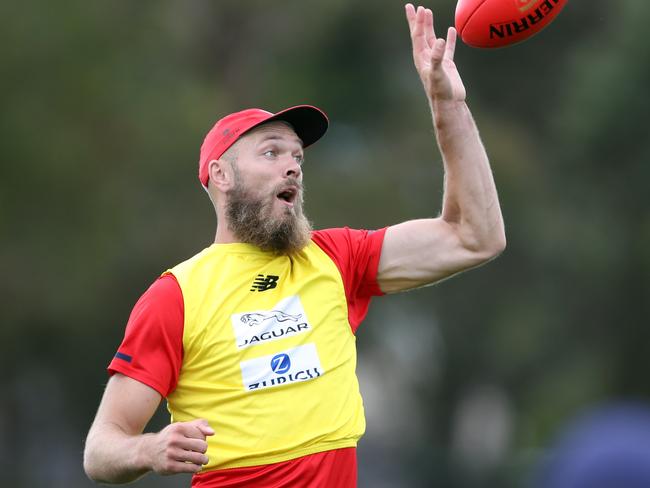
<point>252,340</point>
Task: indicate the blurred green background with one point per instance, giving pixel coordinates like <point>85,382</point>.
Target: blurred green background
<point>466,384</point>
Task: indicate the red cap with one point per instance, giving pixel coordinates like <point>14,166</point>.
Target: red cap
<point>310,124</point>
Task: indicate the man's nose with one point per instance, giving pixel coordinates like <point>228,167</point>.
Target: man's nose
<point>293,169</point>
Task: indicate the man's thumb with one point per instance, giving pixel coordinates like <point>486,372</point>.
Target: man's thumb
<point>204,427</point>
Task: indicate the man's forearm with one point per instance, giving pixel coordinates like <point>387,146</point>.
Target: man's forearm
<point>112,456</point>
<point>470,198</point>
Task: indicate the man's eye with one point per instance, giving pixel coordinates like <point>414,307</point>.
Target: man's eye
<point>299,159</point>
<point>270,153</point>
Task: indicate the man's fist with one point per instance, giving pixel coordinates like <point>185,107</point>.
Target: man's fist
<point>178,448</point>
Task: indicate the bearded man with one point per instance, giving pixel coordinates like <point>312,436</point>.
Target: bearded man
<point>252,341</point>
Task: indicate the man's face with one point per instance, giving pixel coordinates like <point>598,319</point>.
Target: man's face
<point>264,207</point>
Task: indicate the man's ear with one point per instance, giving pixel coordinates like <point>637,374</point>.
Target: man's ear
<point>220,174</point>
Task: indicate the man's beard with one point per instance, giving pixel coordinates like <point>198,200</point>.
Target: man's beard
<point>251,220</point>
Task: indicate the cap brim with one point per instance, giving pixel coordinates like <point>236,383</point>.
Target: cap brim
<point>309,122</point>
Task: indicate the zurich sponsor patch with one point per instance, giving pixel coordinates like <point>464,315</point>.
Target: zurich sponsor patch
<point>285,319</point>
<point>291,366</point>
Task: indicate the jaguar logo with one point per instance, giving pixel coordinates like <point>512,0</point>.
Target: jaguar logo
<point>256,318</point>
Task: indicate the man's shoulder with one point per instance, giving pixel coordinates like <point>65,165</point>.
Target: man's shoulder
<point>188,263</point>
<point>332,232</point>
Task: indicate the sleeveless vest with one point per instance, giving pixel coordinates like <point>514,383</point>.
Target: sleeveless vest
<point>269,357</point>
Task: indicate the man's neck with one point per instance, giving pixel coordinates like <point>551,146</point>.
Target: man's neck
<point>223,235</point>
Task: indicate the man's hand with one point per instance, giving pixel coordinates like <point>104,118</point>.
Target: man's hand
<point>434,57</point>
<point>118,452</point>
<point>178,448</point>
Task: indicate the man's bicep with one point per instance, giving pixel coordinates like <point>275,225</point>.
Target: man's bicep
<point>127,403</point>
<point>421,252</point>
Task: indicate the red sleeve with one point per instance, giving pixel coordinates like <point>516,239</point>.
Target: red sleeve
<point>152,349</point>
<point>356,254</point>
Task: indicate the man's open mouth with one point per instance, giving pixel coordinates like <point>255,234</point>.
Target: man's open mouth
<point>288,195</point>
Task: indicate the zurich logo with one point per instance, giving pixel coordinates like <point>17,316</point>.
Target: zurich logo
<point>280,363</point>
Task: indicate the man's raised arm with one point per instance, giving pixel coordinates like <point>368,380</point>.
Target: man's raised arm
<point>470,229</point>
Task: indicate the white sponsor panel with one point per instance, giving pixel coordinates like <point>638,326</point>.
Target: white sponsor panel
<point>290,366</point>
<point>285,319</point>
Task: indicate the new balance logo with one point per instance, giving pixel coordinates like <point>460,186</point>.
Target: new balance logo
<point>264,282</point>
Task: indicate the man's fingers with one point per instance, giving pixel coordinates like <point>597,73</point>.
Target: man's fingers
<point>196,445</point>
<point>184,440</point>
<point>192,457</point>
<point>179,460</point>
<point>177,467</point>
<point>430,33</point>
<point>421,26</point>
<point>410,16</point>
<point>451,44</point>
<point>418,37</point>
<point>180,447</point>
<point>438,52</point>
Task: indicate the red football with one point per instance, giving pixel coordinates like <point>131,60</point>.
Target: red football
<point>498,23</point>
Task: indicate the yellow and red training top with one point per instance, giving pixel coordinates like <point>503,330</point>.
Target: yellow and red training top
<point>260,345</point>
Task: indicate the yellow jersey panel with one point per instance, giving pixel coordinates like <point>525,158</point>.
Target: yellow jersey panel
<point>269,356</point>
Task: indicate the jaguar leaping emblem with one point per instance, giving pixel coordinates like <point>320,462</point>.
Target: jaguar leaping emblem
<point>256,318</point>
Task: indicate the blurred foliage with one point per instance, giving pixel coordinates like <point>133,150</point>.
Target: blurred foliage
<point>104,107</point>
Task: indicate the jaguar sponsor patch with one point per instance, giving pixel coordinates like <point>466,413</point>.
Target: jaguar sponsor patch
<point>286,318</point>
